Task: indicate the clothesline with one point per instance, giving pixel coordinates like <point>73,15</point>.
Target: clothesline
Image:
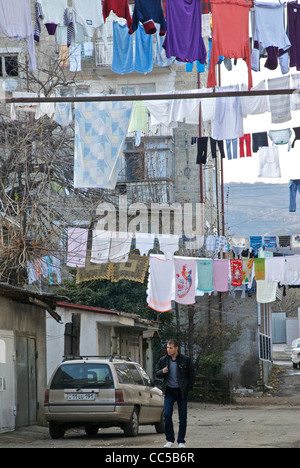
<point>149,97</point>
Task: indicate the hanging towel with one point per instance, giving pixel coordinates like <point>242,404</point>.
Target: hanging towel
<point>122,62</point>
<point>143,51</point>
<point>77,245</point>
<point>100,131</point>
<point>221,275</point>
<point>295,241</point>
<point>280,105</point>
<point>160,282</point>
<point>185,281</point>
<point>265,292</point>
<point>228,120</point>
<point>120,246</point>
<point>100,246</point>
<point>205,275</point>
<point>144,242</point>
<point>293,270</point>
<point>270,242</point>
<point>259,265</point>
<point>160,54</point>
<point>63,113</point>
<point>275,269</point>
<point>247,271</point>
<point>139,117</point>
<point>255,104</point>
<point>184,32</point>
<point>284,241</point>
<point>230,35</point>
<point>236,267</point>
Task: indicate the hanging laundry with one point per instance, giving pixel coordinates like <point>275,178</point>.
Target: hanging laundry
<point>139,117</point>
<point>281,137</point>
<point>77,245</point>
<point>296,136</point>
<point>269,165</point>
<point>100,131</point>
<point>259,139</point>
<point>63,56</point>
<point>100,246</point>
<point>293,12</point>
<point>75,58</point>
<point>284,241</point>
<point>52,13</point>
<point>252,105</point>
<point>295,241</point>
<point>144,242</point>
<point>270,242</point>
<point>275,270</point>
<point>122,62</point>
<point>15,22</point>
<point>255,243</point>
<point>270,34</point>
<point>202,150</point>
<point>210,243</point>
<point>185,281</point>
<point>230,35</point>
<point>120,246</point>
<point>25,107</point>
<point>45,108</point>
<point>205,275</point>
<point>247,271</point>
<point>265,292</point>
<point>228,121</point>
<point>295,98</point>
<point>221,244</point>
<point>120,8</point>
<point>168,244</point>
<point>245,140</point>
<point>161,59</point>
<point>236,268</point>
<point>259,266</point>
<point>90,16</point>
<point>148,12</point>
<point>280,105</point>
<point>220,275</point>
<point>143,51</point>
<point>160,282</point>
<point>63,113</point>
<point>184,32</point>
<point>294,187</point>
<point>238,244</point>
<point>232,144</point>
<point>293,270</point>
<point>213,147</point>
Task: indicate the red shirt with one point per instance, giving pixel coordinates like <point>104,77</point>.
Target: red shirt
<point>119,7</point>
<point>230,35</point>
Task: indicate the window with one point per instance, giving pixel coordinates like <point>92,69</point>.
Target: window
<point>136,375</point>
<point>83,375</point>
<point>9,65</point>
<point>124,374</point>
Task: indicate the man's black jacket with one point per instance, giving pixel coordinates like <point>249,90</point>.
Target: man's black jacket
<point>185,372</point>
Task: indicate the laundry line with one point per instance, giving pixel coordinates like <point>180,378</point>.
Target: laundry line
<point>148,97</point>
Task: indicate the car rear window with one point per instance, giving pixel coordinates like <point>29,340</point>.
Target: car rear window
<point>82,375</point>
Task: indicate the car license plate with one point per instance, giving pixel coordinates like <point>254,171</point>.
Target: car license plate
<point>81,396</point>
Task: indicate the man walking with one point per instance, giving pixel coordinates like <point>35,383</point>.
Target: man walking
<point>178,376</point>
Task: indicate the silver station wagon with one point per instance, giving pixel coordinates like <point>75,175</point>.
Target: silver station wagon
<point>94,392</point>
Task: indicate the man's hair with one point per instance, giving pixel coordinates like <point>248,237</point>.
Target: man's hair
<point>174,342</point>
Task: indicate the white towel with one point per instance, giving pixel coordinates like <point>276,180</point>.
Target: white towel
<point>100,246</point>
<point>120,246</point>
<point>160,284</point>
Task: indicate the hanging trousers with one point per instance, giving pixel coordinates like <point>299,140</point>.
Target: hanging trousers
<point>246,139</point>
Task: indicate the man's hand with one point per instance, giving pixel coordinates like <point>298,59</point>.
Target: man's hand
<point>165,370</point>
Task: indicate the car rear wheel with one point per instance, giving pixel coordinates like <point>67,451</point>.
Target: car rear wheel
<point>160,426</point>
<point>56,431</point>
<point>131,429</point>
<point>91,430</point>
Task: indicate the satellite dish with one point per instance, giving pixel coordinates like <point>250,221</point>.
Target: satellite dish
<point>9,85</point>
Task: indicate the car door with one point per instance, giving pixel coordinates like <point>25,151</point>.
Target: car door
<point>156,397</point>
<point>142,393</point>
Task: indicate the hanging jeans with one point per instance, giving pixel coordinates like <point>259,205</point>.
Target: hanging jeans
<point>294,186</point>
<point>245,139</point>
<point>232,155</point>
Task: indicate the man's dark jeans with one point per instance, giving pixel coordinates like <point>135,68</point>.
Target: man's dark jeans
<point>171,396</point>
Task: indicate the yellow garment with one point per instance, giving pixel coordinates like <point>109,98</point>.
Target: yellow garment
<point>139,117</point>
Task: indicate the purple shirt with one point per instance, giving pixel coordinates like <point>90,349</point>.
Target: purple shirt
<point>184,33</point>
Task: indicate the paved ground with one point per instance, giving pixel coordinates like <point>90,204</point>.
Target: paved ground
<point>251,422</point>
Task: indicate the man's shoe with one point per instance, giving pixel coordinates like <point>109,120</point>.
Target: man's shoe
<point>168,445</point>
<point>181,445</point>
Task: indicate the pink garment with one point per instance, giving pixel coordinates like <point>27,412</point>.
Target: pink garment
<point>77,245</point>
<point>230,35</point>
<point>221,275</point>
<point>236,266</point>
<point>185,281</point>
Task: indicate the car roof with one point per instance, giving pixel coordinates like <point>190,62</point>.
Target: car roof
<point>96,359</point>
